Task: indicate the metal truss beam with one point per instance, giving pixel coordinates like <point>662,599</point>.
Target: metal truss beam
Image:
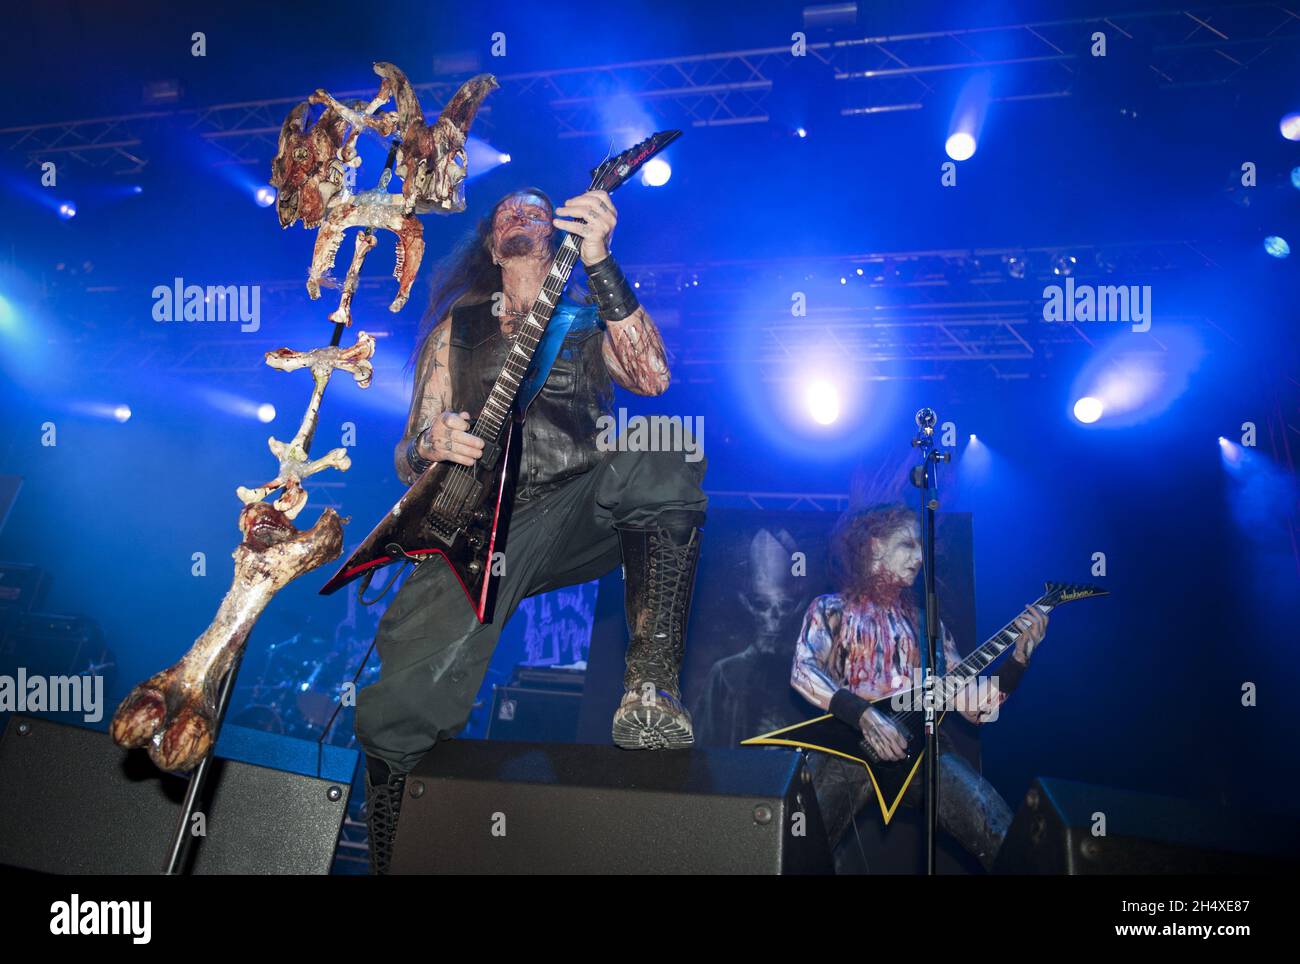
<point>1184,48</point>
<point>908,315</point>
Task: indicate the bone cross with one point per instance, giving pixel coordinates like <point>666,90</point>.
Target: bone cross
<point>295,465</point>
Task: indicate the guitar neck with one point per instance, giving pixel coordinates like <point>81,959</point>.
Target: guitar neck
<point>980,659</point>
<point>506,388</point>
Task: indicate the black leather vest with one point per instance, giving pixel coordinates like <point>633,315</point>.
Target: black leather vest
<point>560,430</point>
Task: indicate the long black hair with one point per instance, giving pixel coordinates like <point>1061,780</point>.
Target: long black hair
<point>466,276</point>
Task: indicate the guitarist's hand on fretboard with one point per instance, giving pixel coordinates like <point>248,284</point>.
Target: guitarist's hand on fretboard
<point>881,738</point>
<point>597,217</point>
<point>1032,624</point>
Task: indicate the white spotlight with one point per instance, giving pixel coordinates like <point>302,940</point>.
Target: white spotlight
<point>122,412</point>
<point>960,146</point>
<point>656,172</point>
<point>264,196</point>
<point>1088,409</point>
<point>266,412</point>
<point>823,401</point>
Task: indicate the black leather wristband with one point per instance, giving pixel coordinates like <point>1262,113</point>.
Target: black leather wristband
<point>615,299</point>
<point>848,707</point>
<point>418,463</point>
<point>1010,673</point>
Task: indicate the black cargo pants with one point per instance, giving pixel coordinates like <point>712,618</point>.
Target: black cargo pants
<point>434,652</point>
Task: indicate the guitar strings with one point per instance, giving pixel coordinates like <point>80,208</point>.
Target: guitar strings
<point>459,487</point>
<point>956,681</point>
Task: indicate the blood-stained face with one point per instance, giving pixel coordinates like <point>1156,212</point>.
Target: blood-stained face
<point>898,555</point>
<point>521,227</point>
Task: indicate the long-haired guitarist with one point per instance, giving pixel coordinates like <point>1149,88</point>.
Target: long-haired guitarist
<point>578,511</point>
<point>864,643</point>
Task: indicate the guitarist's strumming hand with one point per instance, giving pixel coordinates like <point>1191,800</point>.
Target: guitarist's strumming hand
<point>881,737</point>
<point>448,439</point>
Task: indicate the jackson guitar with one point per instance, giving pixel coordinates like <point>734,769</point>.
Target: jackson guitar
<point>906,709</point>
<point>462,513</point>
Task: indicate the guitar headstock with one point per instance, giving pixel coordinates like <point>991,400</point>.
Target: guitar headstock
<point>613,171</point>
<point>1063,592</point>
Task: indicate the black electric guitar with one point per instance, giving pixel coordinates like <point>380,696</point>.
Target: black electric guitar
<point>462,513</point>
<point>906,710</point>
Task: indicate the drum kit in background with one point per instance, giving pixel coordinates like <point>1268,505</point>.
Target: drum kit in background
<point>296,687</point>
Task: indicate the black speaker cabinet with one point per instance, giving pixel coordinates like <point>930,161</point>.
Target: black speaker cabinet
<point>485,806</point>
<point>1053,833</point>
<point>72,801</point>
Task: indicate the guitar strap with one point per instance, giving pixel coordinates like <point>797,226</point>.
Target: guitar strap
<point>548,349</point>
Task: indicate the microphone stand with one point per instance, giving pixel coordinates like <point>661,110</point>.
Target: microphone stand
<point>925,478</point>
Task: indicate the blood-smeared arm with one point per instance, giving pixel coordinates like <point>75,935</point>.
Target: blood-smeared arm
<point>811,676</point>
<point>634,354</point>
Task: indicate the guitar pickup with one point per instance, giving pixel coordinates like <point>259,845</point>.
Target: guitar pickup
<point>491,452</point>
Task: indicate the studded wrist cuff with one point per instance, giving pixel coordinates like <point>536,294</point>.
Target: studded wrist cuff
<point>615,299</point>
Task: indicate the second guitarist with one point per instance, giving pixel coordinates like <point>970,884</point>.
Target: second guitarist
<point>578,511</point>
<point>864,643</point>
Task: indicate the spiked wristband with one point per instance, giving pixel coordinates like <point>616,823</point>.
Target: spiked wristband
<point>418,463</point>
<point>615,299</point>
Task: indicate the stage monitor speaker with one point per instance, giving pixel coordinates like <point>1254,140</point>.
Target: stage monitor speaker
<point>1053,833</point>
<point>486,806</point>
<point>539,704</point>
<point>72,801</point>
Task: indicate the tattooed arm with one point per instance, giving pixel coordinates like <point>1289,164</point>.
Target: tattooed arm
<point>438,431</point>
<point>634,354</point>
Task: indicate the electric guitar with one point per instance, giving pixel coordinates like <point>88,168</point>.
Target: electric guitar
<point>462,513</point>
<point>906,710</point>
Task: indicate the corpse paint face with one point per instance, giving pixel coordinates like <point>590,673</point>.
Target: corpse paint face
<point>898,555</point>
<point>522,227</point>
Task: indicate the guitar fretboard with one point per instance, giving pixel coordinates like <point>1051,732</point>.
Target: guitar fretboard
<point>504,391</point>
<point>982,657</point>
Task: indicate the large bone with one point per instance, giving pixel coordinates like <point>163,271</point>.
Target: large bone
<point>174,712</point>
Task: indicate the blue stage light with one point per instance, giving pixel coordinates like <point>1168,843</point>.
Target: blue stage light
<point>1295,178</point>
<point>1088,409</point>
<point>122,412</point>
<point>1290,127</point>
<point>266,412</point>
<point>800,132</point>
<point>1277,247</point>
<point>264,196</point>
<point>656,172</point>
<point>67,210</point>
